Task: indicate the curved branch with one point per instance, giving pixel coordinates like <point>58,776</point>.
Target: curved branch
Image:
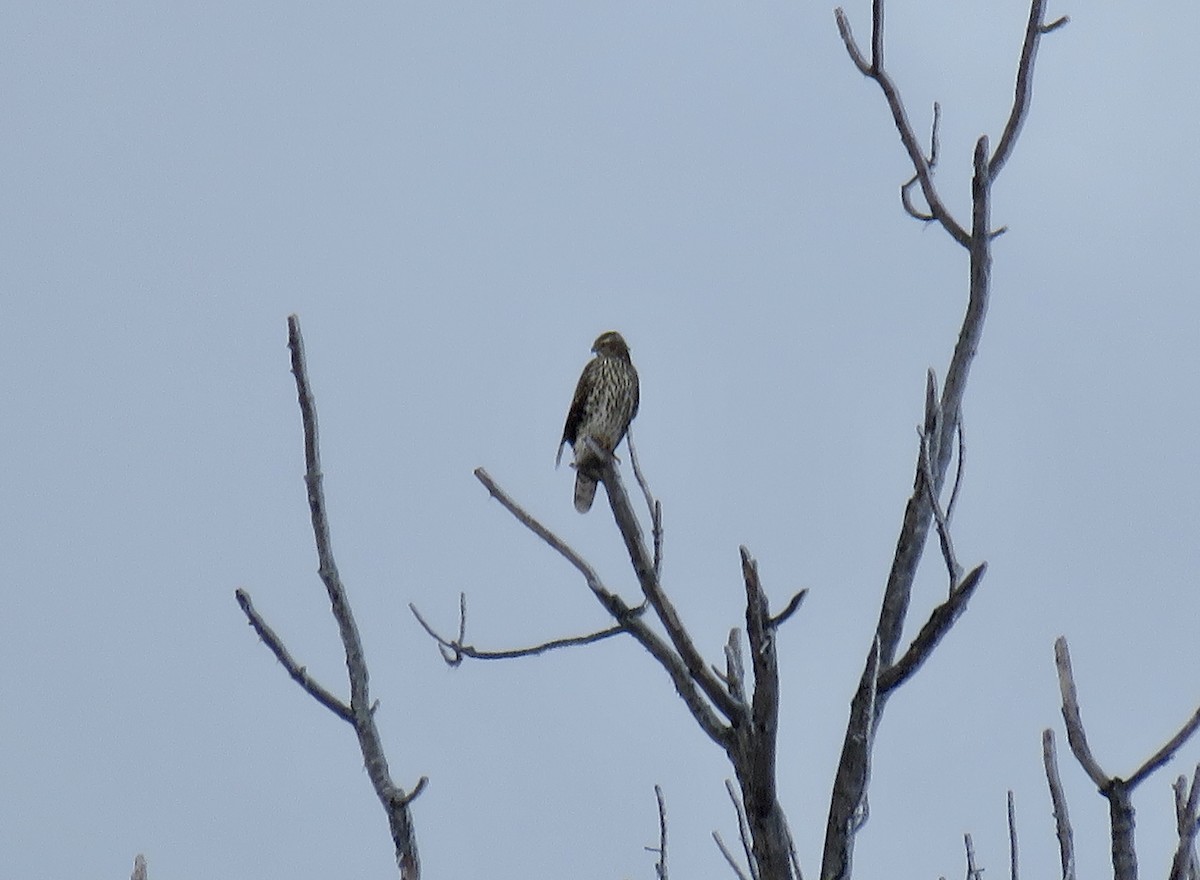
<point>921,165</point>
<point>789,609</point>
<point>1023,96</point>
<point>454,651</point>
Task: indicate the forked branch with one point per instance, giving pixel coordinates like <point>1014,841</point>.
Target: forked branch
<point>628,617</point>
<point>455,650</point>
<point>359,713</point>
<point>1117,790</point>
<point>739,716</point>
<point>848,801</point>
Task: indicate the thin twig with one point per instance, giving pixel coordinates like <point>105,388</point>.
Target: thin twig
<point>455,651</point>
<point>1023,95</point>
<point>652,504</point>
<point>660,868</point>
<point>933,135</point>
<point>795,859</point>
<point>1062,819</point>
<point>737,870</point>
<point>735,670</point>
<point>789,609</point>
<point>943,526</point>
<point>907,203</point>
<point>960,467</point>
<point>973,872</point>
<point>743,828</point>
<point>1012,837</point>
<point>874,70</point>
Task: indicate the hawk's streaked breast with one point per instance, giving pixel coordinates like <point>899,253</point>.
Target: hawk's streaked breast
<point>606,400</point>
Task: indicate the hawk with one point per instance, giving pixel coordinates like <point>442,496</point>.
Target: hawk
<point>606,400</point>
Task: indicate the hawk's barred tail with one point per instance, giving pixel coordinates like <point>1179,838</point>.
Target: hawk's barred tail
<point>585,492</point>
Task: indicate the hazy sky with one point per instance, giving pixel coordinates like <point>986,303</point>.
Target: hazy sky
<point>457,198</point>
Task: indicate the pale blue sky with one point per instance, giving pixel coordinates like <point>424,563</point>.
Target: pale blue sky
<point>456,199</point>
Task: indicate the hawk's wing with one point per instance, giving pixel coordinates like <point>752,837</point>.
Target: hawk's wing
<point>587,379</point>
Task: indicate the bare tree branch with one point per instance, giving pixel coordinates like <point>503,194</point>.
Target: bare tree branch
<point>874,70</point>
<point>360,711</point>
<point>660,867</point>
<point>959,468</point>
<point>795,858</point>
<point>652,504</point>
<point>1076,736</point>
<point>1062,819</point>
<point>739,810</point>
<point>1167,751</point>
<point>848,800</point>
<point>943,526</point>
<point>754,745</point>
<point>732,862</point>
<point>680,673</point>
<point>297,672</point>
<point>1024,88</point>
<point>454,651</point>
<point>1012,838</point>
<point>931,634</point>
<point>612,603</point>
<point>789,609</point>
<point>973,872</point>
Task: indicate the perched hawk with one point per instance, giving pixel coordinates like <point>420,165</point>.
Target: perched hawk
<point>606,400</point>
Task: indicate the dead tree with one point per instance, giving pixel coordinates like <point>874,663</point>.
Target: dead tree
<point>885,667</point>
<point>359,713</point>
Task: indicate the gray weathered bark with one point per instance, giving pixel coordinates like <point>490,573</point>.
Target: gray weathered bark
<point>848,808</point>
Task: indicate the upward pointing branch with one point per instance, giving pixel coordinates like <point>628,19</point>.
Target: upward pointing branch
<point>359,713</point>
<point>848,802</point>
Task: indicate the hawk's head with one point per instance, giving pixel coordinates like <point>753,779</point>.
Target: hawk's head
<point>610,344</point>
